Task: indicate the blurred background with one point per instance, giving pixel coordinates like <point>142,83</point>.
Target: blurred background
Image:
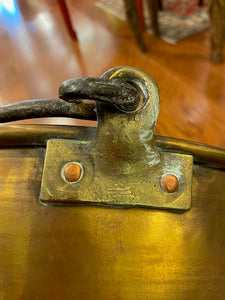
<point>39,50</point>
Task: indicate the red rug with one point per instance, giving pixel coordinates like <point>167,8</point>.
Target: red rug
<point>177,20</point>
<point>183,7</point>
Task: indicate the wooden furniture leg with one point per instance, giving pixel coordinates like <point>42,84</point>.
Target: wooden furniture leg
<point>160,4</point>
<point>66,17</point>
<point>139,4</point>
<point>217,16</point>
<point>153,13</point>
<point>134,21</point>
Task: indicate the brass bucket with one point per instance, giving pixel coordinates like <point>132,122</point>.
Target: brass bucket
<point>118,233</point>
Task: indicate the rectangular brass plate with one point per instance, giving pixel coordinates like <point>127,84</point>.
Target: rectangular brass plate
<point>141,189</point>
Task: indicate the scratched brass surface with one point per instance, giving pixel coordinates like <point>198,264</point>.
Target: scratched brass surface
<point>38,135</point>
<point>122,165</point>
<point>109,181</point>
<point>52,252</point>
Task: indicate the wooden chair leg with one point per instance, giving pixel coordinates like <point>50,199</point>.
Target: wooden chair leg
<point>134,21</point>
<point>153,13</point>
<point>139,4</point>
<point>67,19</point>
<point>217,16</point>
<point>160,5</point>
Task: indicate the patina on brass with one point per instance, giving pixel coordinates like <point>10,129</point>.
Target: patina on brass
<point>38,136</point>
<point>122,165</point>
<point>92,252</point>
<point>89,252</point>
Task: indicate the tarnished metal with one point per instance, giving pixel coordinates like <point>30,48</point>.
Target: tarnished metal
<point>119,93</point>
<point>122,164</point>
<point>130,186</point>
<point>41,108</point>
<point>115,92</point>
<point>86,252</point>
<point>38,135</point>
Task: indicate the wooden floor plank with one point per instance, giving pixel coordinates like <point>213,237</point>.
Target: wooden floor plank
<point>37,54</point>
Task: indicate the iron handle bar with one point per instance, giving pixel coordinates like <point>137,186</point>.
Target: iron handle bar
<point>69,104</point>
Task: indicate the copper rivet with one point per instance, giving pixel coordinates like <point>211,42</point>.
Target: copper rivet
<point>169,183</point>
<point>72,172</point>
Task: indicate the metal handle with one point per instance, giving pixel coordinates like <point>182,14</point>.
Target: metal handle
<point>121,164</point>
<point>69,104</point>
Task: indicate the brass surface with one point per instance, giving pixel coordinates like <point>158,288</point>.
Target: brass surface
<point>135,185</point>
<point>38,135</point>
<point>122,165</point>
<point>72,252</point>
<point>89,252</point>
<point>204,154</point>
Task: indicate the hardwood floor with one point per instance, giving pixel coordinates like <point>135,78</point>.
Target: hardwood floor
<point>37,54</point>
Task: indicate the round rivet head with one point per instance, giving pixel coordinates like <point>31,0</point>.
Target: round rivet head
<point>170,183</point>
<point>72,172</point>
